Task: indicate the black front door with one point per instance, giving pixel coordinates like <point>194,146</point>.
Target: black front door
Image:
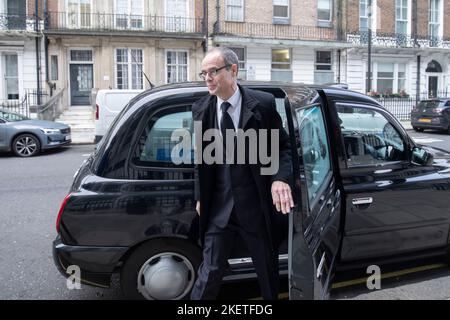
<point>81,82</point>
<point>432,86</point>
<point>314,236</point>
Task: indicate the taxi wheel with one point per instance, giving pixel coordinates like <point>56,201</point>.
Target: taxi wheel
<point>163,269</point>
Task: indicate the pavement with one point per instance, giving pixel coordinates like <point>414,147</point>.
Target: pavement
<point>406,125</point>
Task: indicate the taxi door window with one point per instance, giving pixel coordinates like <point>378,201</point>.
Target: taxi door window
<point>315,150</point>
<point>369,138</point>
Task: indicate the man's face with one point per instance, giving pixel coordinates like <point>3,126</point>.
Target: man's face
<point>223,84</point>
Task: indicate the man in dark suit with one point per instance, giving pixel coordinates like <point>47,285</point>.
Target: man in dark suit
<point>235,198</point>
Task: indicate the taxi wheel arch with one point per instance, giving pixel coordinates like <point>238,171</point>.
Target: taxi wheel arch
<point>155,260</point>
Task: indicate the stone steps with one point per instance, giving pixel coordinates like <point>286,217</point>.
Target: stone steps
<point>81,122</point>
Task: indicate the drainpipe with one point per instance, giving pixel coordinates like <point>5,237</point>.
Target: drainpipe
<point>47,75</point>
<point>418,80</point>
<point>339,66</point>
<point>38,58</point>
<point>205,25</point>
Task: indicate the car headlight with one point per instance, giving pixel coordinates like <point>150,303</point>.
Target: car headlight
<point>51,131</point>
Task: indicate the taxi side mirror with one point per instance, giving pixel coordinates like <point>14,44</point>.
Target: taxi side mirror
<point>421,156</point>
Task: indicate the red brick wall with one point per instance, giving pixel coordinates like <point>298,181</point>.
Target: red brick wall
<point>446,19</point>
<point>422,17</point>
<point>352,15</point>
<point>386,16</point>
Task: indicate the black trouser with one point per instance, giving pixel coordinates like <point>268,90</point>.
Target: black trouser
<point>217,248</point>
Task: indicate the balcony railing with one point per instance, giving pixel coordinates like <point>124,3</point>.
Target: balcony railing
<point>277,31</point>
<point>57,21</point>
<point>396,40</point>
<point>11,22</point>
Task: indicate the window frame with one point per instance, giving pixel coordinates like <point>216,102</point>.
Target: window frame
<point>431,22</point>
<point>400,130</point>
<point>78,24</point>
<point>166,65</point>
<point>158,113</point>
<point>129,68</point>
<point>281,19</point>
<point>129,15</point>
<point>244,62</point>
<point>54,67</point>
<point>228,5</point>
<point>327,22</point>
<point>7,77</point>
<point>402,19</point>
<point>312,203</point>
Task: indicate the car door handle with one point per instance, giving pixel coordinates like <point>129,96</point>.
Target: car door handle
<point>360,201</point>
<point>319,271</point>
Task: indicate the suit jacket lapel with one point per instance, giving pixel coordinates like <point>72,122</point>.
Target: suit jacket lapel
<point>248,103</point>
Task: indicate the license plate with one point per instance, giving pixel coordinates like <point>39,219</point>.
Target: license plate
<point>68,137</point>
<point>425,120</point>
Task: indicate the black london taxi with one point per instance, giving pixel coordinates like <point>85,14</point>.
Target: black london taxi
<point>364,191</point>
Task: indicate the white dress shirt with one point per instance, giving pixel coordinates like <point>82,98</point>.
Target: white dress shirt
<point>234,111</point>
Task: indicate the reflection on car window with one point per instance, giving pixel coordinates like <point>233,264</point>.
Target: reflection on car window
<point>369,138</point>
<point>155,145</point>
<point>281,111</point>
<point>12,117</point>
<point>314,149</point>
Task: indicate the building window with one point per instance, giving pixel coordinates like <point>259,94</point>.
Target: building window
<point>281,9</point>
<point>323,67</point>
<point>81,55</point>
<point>235,10</point>
<point>401,16</point>
<point>129,65</point>
<point>176,15</point>
<point>79,13</point>
<point>324,10</point>
<point>364,15</point>
<point>240,52</point>
<point>434,19</point>
<point>389,78</point>
<point>54,67</point>
<point>177,66</point>
<point>281,65</point>
<point>11,68</point>
<point>129,14</point>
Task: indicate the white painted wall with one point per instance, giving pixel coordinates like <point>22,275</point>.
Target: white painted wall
<point>260,58</point>
<point>303,65</point>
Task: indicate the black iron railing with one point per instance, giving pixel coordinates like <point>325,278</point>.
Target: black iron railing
<point>401,106</point>
<point>397,40</point>
<point>12,22</point>
<point>277,31</point>
<point>122,22</point>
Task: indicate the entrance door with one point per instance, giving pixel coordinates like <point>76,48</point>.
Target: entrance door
<point>432,86</point>
<point>81,82</point>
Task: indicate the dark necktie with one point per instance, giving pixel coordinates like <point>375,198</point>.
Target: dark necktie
<point>226,122</point>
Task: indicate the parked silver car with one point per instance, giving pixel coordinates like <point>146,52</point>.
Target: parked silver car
<point>27,137</point>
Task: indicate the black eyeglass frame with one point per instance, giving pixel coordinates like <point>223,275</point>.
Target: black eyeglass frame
<point>213,72</point>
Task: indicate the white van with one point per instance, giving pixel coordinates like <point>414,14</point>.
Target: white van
<point>108,104</point>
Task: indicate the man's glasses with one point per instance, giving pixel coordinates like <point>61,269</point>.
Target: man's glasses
<point>212,72</point>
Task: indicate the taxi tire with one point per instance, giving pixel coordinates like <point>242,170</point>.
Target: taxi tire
<point>131,267</point>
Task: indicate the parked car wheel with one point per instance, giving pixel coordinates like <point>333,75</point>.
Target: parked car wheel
<point>418,129</point>
<point>26,145</point>
<point>163,269</point>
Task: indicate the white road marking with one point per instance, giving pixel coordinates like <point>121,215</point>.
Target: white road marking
<point>426,140</point>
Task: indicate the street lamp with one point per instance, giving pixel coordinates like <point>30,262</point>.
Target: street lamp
<point>369,48</point>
